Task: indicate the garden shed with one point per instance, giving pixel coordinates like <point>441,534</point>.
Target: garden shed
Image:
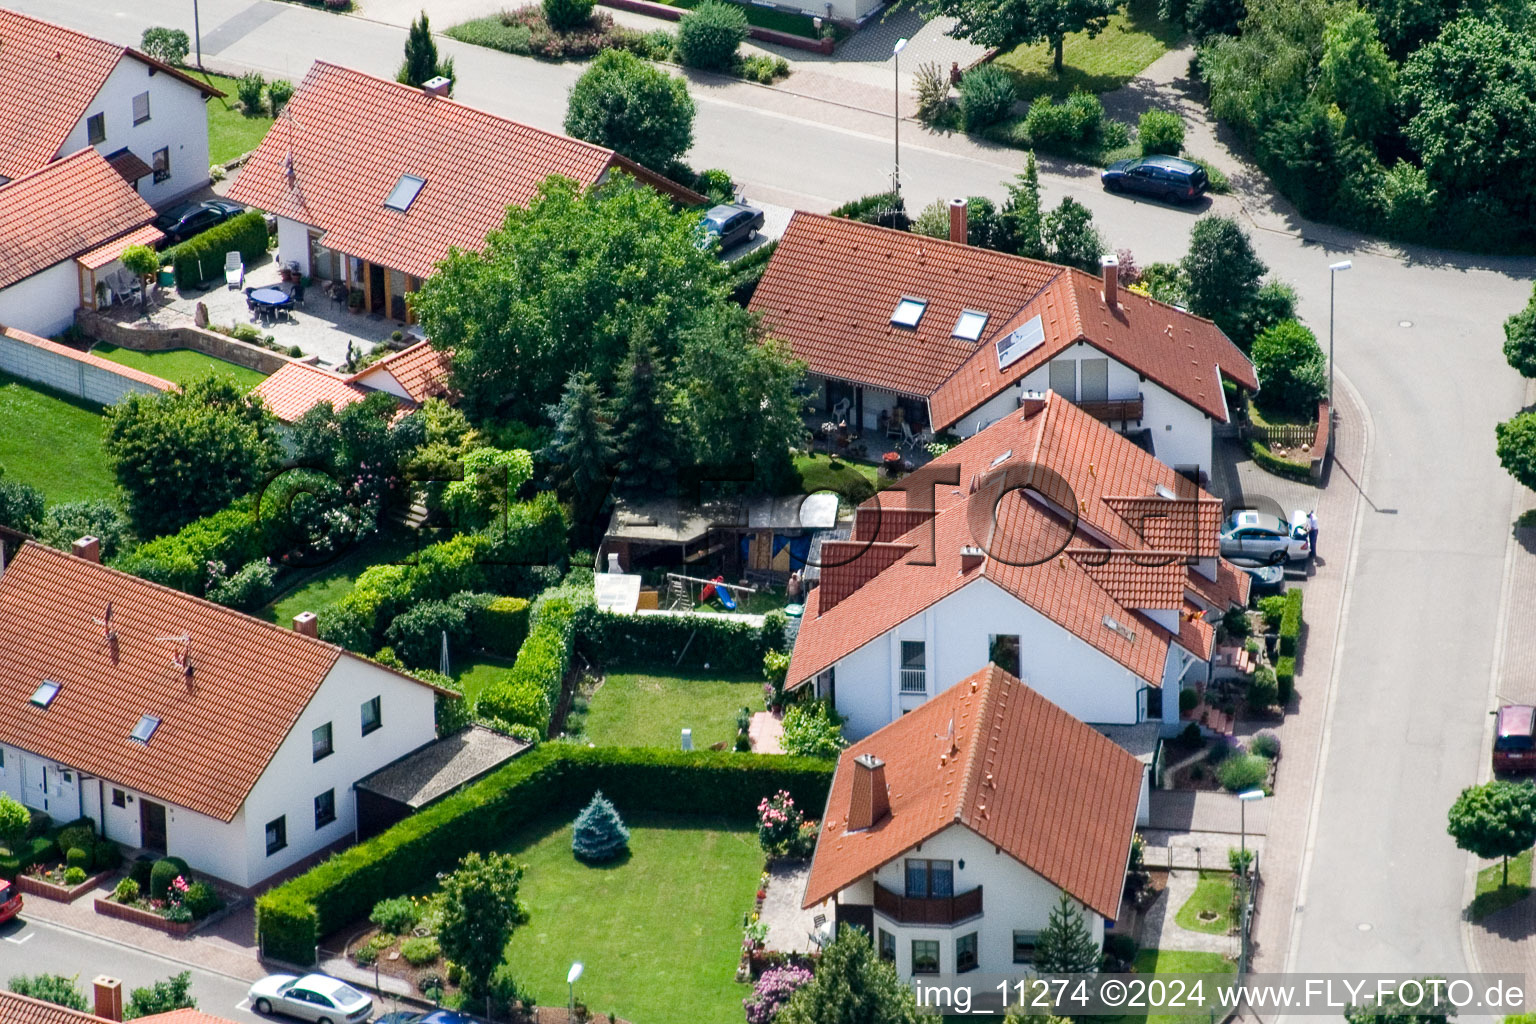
<point>429,773</point>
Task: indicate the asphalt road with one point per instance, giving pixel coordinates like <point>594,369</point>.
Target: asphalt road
<point>1418,339</point>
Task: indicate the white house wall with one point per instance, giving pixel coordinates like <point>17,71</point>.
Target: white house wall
<point>178,121</point>
<point>293,243</point>
<point>43,304</point>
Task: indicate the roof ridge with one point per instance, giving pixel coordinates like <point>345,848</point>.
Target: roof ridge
<point>53,165</point>
<point>976,758</point>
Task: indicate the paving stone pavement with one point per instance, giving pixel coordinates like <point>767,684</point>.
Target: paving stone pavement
<point>1160,929</point>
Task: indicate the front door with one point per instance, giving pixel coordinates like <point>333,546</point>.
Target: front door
<point>151,825</point>
<point>375,288</point>
<point>34,782</point>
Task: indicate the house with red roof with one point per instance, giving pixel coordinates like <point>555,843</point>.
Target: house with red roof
<point>183,727</point>
<point>1048,544</point>
<point>373,182</point>
<point>412,375</point>
<point>903,333</point>
<point>106,1006</point>
<point>66,90</point>
<point>951,833</point>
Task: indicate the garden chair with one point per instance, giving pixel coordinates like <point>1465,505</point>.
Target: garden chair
<point>840,410</point>
<point>907,437</point>
<point>234,270</point>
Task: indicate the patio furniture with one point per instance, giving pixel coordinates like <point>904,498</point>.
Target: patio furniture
<point>907,437</point>
<point>895,421</point>
<point>234,270</point>
<point>270,302</point>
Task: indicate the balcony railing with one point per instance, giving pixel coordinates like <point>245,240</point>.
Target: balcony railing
<point>914,680</point>
<point>1121,409</point>
<point>929,910</point>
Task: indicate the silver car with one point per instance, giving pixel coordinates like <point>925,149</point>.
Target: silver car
<point>1263,537</point>
<point>314,997</point>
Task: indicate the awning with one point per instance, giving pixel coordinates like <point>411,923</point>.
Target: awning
<point>104,254</point>
<point>127,163</point>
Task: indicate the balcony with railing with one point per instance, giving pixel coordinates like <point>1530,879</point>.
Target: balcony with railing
<point>914,680</point>
<point>942,910</point>
<point>1120,410</point>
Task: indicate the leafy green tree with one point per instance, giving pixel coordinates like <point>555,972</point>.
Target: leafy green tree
<point>582,450</point>
<point>567,15</point>
<point>647,437</point>
<point>852,985</point>
<point>21,505</point>
<point>1222,274</point>
<point>1292,370</point>
<point>421,61</point>
<point>1395,1011</point>
<point>1496,819</point>
<point>1008,23</point>
<point>492,477</point>
<point>1022,212</point>
<point>173,993</point>
<point>632,107</point>
<point>599,833</point>
<point>1520,339</point>
<point>1065,945</point>
<point>1274,302</point>
<point>50,988</point>
<point>1070,237</point>
<point>167,45</point>
<point>709,35</point>
<point>183,454</point>
<point>1356,73</point>
<point>142,262</point>
<point>1204,18</point>
<point>1517,447</point>
<point>14,819</point>
<point>480,912</point>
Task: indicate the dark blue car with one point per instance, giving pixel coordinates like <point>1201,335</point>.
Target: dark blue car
<point>1161,177</point>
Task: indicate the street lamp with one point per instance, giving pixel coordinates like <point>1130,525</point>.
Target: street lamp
<point>571,977</point>
<point>1243,800</point>
<point>901,44</point>
<point>1333,273</point>
<point>197,34</point>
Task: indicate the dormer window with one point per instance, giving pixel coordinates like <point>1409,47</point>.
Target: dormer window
<point>44,694</point>
<point>970,325</point>
<point>909,311</point>
<point>404,193</point>
<point>145,729</point>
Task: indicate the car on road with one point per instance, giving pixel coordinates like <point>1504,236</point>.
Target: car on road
<point>1252,536</point>
<point>1267,579</point>
<point>181,222</point>
<point>729,224</point>
<point>1161,177</point>
<point>1514,739</point>
<point>10,901</point>
<point>314,997</point>
<point>417,1017</point>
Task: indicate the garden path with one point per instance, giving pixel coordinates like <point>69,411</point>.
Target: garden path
<point>1162,931</point>
<point>789,927</point>
<point>767,732</point>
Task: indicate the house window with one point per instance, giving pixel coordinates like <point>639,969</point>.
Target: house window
<point>141,108</point>
<point>325,808</point>
<point>914,670</point>
<point>1155,705</point>
<point>1003,651</point>
<point>96,129</point>
<point>320,742</point>
<point>162,164</point>
<point>372,718</point>
<point>119,798</point>
<point>965,953</point>
<point>925,956</point>
<point>887,945</point>
<point>826,685</point>
<point>930,879</point>
<point>277,834</point>
<point>1024,947</point>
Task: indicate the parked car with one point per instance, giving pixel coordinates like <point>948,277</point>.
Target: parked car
<point>1267,579</point>
<point>10,901</point>
<point>314,997</point>
<point>729,224</point>
<point>180,223</point>
<point>417,1017</point>
<point>1514,739</point>
<point>1263,537</point>
<point>1161,177</point>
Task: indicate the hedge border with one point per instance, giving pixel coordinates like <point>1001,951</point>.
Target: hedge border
<point>201,257</point>
<point>1290,623</point>
<point>1276,465</point>
<point>1285,676</point>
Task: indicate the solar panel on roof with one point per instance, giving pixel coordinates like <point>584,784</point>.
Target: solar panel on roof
<point>1019,342</point>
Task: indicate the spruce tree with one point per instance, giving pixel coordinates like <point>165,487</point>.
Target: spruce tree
<point>1022,212</point>
<point>420,54</point>
<point>582,448</point>
<point>1066,945</point>
<point>599,834</point>
<point>645,439</point>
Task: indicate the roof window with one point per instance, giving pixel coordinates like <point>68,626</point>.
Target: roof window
<point>44,694</point>
<point>1115,626</point>
<point>909,311</point>
<point>1165,493</point>
<point>404,193</point>
<point>1001,459</point>
<point>970,325</point>
<point>145,729</point>
<point>1020,341</point>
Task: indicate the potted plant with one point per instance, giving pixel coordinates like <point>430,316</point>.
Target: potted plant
<point>890,463</point>
<point>355,300</point>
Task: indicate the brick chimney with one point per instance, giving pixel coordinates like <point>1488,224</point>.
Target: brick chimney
<point>1031,402</point>
<point>437,86</point>
<point>971,557</point>
<point>1110,265</point>
<point>88,548</point>
<point>307,623</point>
<point>109,997</point>
<point>959,230</point>
<point>871,801</point>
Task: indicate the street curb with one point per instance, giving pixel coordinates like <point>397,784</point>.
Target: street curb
<point>140,949</point>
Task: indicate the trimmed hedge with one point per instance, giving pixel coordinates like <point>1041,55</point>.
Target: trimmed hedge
<point>529,693</point>
<point>201,258</point>
<point>343,889</point>
<point>1272,463</point>
<point>502,626</point>
<point>716,643</point>
<point>1285,676</point>
<point>180,560</point>
<point>1290,623</point>
<point>30,851</point>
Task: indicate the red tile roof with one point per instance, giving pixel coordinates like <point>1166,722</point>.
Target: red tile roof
<point>127,163</point>
<point>1020,772</point>
<point>16,1009</point>
<point>832,285</point>
<point>352,136</point>
<point>183,1017</point>
<point>421,371</point>
<point>1135,579</point>
<point>298,387</point>
<point>1080,465</point>
<point>1196,635</point>
<point>49,76</point>
<point>65,209</point>
<point>90,359</point>
<point>250,680</point>
<point>1230,587</point>
<point>102,255</point>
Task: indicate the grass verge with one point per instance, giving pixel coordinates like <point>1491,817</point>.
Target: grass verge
<point>314,591</point>
<point>53,442</point>
<point>230,132</point>
<point>642,709</point>
<point>179,365</point>
<point>1493,894</point>
<point>477,671</point>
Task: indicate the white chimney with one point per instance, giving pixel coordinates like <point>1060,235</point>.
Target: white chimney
<point>307,623</point>
<point>437,86</point>
<point>88,548</point>
<point>971,557</point>
<point>959,229</point>
<point>1111,266</point>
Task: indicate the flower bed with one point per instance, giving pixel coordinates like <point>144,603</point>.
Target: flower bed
<point>142,915</point>
<point>403,944</point>
<point>184,906</point>
<point>50,884</point>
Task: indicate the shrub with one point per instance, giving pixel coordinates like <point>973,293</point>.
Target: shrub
<point>1263,691</point>
<point>245,589</point>
<point>106,855</point>
<point>566,15</point>
<point>67,521</point>
<point>397,915</point>
<point>201,257</point>
<point>72,837</point>
<point>202,899</point>
<point>931,85</point>
<point>1236,623</point>
<point>763,68</point>
<point>1188,701</point>
<point>365,956</point>
<point>501,626</point>
<point>140,871</point>
<point>250,87</point>
<point>709,35</point>
<point>74,875</point>
<point>1160,131</point>
<point>813,728</point>
<point>778,823</point>
<point>599,833</point>
<point>1265,743</point>
<point>702,641</point>
<point>772,992</point>
<point>1292,371</point>
<point>1285,679</point>
<point>417,634</point>
<point>1191,736</point>
<point>279,93</point>
<point>127,891</point>
<point>38,822</point>
<point>1290,622</point>
<point>1273,610</point>
<point>987,94</point>
<point>1049,125</point>
<point>1242,772</point>
<point>419,951</point>
<point>75,857</point>
<point>231,536</point>
<point>529,692</point>
<point>1085,115</point>
<point>167,45</point>
<point>165,871</point>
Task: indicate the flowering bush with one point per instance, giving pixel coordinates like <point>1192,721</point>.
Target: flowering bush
<point>778,823</point>
<point>772,992</point>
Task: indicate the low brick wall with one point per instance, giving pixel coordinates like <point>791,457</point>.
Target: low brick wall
<point>1322,441</point>
<point>147,918</point>
<point>71,371</point>
<point>159,339</point>
<point>762,35</point>
<point>31,886</point>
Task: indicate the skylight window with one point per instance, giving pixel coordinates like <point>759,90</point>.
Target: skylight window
<point>970,325</point>
<point>1001,459</point>
<point>145,729</point>
<point>1166,494</point>
<point>44,694</point>
<point>908,312</point>
<point>404,193</point>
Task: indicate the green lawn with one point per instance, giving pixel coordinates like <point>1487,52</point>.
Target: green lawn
<point>646,710</point>
<point>230,132</point>
<point>311,593</point>
<point>764,17</point>
<point>658,931</point>
<point>854,481</point>
<point>1213,894</point>
<point>52,442</point>
<point>178,365</point>
<point>474,673</point>
<point>1170,961</point>
<point>1134,38</point>
<point>1493,895</point>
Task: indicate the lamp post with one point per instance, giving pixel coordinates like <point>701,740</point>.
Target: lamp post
<point>1333,273</point>
<point>571,977</point>
<point>197,34</point>
<point>901,44</point>
<point>1243,800</point>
